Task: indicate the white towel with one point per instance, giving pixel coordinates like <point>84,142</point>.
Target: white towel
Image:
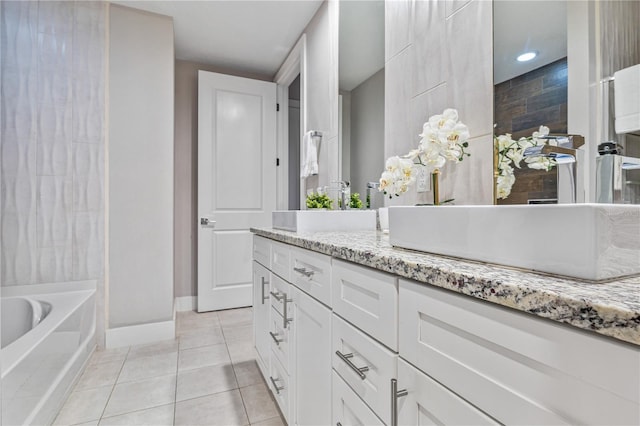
<point>309,165</point>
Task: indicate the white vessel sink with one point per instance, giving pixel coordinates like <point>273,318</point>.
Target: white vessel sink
<point>324,220</point>
<point>588,241</point>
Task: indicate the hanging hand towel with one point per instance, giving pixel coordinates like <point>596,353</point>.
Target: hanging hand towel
<point>309,165</point>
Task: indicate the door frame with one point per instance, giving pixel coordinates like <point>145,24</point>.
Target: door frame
<point>294,65</point>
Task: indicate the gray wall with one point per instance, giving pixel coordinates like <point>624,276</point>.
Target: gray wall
<point>141,103</point>
<point>52,143</point>
<point>367,133</point>
<point>439,54</point>
<point>186,171</point>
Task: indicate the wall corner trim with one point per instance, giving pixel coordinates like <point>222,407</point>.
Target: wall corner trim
<point>186,303</point>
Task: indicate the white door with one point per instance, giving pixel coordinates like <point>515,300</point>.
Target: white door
<point>236,183</point>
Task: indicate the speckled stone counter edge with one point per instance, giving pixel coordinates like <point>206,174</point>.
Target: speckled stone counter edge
<point>611,309</point>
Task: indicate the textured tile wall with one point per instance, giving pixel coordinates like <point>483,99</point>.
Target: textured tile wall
<point>52,141</point>
<point>439,54</point>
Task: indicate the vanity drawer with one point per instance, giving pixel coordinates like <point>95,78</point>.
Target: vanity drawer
<point>352,350</point>
<point>279,385</point>
<point>311,272</point>
<point>368,299</point>
<point>262,251</point>
<point>280,258</point>
<point>279,293</point>
<point>279,338</point>
<point>348,408</point>
<point>427,399</point>
<point>516,367</point>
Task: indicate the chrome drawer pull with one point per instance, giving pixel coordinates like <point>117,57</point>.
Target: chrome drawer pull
<point>285,320</point>
<point>275,385</point>
<point>274,336</point>
<point>359,370</point>
<point>395,394</point>
<point>277,296</point>
<point>264,282</point>
<point>304,272</point>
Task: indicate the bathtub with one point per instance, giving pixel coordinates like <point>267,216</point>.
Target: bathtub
<point>46,340</point>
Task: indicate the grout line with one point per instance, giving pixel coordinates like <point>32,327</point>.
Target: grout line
<point>244,404</point>
<point>175,393</point>
<point>114,385</point>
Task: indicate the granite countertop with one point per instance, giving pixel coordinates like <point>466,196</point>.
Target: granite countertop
<point>611,309</point>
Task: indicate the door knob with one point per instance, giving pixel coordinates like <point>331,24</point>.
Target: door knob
<point>205,221</point>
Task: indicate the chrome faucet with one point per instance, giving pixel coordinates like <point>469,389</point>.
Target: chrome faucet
<point>569,168</point>
<point>345,194</point>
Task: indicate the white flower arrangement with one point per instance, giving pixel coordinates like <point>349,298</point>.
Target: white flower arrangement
<point>511,154</point>
<point>443,139</point>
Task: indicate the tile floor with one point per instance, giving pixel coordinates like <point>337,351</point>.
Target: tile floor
<point>206,376</point>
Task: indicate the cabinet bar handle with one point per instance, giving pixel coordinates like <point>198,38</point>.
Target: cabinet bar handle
<point>274,336</point>
<point>277,296</point>
<point>359,370</point>
<point>395,394</point>
<point>285,320</point>
<point>304,272</point>
<point>264,282</point>
<point>275,385</point>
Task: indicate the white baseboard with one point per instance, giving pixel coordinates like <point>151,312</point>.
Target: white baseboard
<point>186,303</point>
<point>140,334</point>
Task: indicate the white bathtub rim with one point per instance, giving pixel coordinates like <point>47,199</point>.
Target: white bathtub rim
<point>64,305</point>
<point>47,288</point>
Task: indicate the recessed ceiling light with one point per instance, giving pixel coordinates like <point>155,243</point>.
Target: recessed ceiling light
<point>527,56</point>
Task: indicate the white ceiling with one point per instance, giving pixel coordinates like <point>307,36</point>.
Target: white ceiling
<point>361,49</point>
<point>525,25</point>
<point>248,36</point>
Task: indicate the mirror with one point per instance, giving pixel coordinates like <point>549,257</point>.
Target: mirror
<point>528,94</point>
<point>361,84</point>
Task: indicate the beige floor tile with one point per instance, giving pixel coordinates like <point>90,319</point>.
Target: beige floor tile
<point>98,375</point>
<point>201,357</point>
<point>275,421</point>
<point>159,348</point>
<point>247,373</point>
<point>223,408</point>
<point>84,406</point>
<point>149,366</point>
<point>189,321</point>
<point>241,333</point>
<point>258,402</point>
<point>157,416</point>
<point>205,381</point>
<point>91,423</point>
<point>236,317</point>
<point>201,337</point>
<point>241,351</point>
<point>134,396</point>
<point>109,355</point>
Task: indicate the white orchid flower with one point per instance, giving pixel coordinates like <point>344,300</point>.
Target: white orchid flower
<point>450,114</point>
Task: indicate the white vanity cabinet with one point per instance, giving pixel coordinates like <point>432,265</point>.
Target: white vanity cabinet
<point>363,347</point>
<point>427,402</point>
<point>261,308</point>
<point>310,360</point>
<point>515,367</point>
<point>292,329</point>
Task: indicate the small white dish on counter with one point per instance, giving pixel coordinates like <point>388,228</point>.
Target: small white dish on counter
<point>324,220</point>
<point>588,241</point>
